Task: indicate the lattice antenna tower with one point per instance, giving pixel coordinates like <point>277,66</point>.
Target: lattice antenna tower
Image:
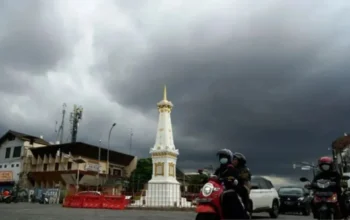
<point>75,117</point>
<point>60,132</point>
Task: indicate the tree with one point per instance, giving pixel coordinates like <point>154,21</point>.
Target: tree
<point>141,175</point>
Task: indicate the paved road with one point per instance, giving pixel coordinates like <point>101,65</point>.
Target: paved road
<point>29,211</point>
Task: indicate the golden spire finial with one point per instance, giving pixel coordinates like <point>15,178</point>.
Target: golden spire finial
<point>164,93</point>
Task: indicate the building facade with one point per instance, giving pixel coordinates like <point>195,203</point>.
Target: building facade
<point>78,166</point>
<point>14,146</point>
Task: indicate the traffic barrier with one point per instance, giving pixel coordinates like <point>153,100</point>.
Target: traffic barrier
<point>127,200</point>
<point>76,201</point>
<point>66,201</point>
<point>114,202</point>
<point>92,201</point>
<point>96,201</point>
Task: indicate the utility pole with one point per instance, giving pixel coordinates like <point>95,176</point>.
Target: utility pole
<point>108,148</point>
<point>131,134</point>
<point>138,182</point>
<point>133,184</point>
<point>99,165</point>
<point>61,128</point>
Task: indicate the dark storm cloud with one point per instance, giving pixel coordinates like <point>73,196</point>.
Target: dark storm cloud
<point>31,38</point>
<point>274,87</point>
<point>270,81</point>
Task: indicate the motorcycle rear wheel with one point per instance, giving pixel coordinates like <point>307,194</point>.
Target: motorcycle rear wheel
<point>207,216</point>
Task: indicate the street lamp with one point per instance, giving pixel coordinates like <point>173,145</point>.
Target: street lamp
<point>109,138</point>
<point>99,160</point>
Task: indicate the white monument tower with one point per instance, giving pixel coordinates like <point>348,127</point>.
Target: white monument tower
<point>163,188</point>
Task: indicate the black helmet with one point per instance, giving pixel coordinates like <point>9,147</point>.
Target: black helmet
<point>225,152</point>
<point>240,157</point>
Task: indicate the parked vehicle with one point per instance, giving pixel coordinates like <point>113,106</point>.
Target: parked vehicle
<point>325,200</point>
<point>295,199</point>
<point>44,199</point>
<point>9,198</point>
<point>264,197</point>
<point>215,203</point>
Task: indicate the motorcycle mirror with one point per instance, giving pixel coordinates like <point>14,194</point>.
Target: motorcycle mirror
<point>345,178</point>
<point>303,179</point>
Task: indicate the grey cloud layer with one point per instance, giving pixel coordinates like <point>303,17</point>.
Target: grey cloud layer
<point>269,80</point>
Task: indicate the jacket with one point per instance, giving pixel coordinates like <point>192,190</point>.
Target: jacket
<point>332,176</point>
<point>244,175</point>
<point>227,173</point>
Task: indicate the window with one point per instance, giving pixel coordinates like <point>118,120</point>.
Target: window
<point>17,165</point>
<point>269,184</point>
<point>117,172</point>
<point>263,184</point>
<point>17,152</point>
<point>291,191</point>
<point>8,152</point>
<point>12,165</point>
<point>45,167</point>
<point>0,166</point>
<point>69,166</point>
<point>57,166</point>
<point>5,166</point>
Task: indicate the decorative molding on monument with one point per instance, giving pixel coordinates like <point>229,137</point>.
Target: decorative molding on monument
<point>164,109</point>
<point>164,154</point>
<point>159,169</point>
<point>171,170</point>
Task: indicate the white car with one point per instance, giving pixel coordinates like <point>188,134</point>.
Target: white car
<point>264,197</point>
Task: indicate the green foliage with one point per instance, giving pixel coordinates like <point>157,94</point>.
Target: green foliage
<point>141,175</point>
<point>198,179</point>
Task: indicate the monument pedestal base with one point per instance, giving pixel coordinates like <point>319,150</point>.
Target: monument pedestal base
<point>163,194</point>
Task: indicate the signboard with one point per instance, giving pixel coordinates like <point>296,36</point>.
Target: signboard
<point>6,176</point>
<point>92,167</point>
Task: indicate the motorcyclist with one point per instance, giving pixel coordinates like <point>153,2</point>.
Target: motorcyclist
<point>229,174</point>
<point>226,170</point>
<point>328,172</point>
<point>6,192</point>
<point>244,177</point>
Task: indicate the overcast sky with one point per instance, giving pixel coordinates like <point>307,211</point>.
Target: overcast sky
<point>267,78</point>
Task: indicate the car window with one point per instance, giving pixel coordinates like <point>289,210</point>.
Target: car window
<point>306,191</point>
<point>290,191</point>
<point>255,182</point>
<point>269,184</point>
<point>262,184</point>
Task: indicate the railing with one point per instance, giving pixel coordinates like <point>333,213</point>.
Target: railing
<point>165,195</point>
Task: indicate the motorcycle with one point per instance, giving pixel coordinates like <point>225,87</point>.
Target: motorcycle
<point>216,203</point>
<point>9,198</point>
<point>325,200</point>
<point>44,199</point>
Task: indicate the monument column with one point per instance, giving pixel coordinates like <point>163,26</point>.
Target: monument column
<point>163,188</point>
